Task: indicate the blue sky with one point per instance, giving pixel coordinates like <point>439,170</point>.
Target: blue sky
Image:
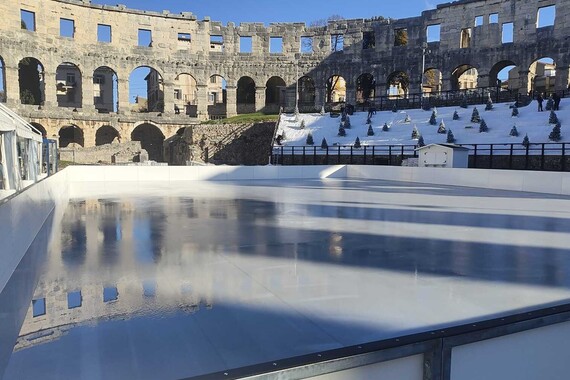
<point>284,11</point>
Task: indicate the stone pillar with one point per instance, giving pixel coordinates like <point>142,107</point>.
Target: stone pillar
<point>447,82</point>
<point>320,97</point>
<point>123,92</point>
<point>168,96</point>
<point>483,80</point>
<point>89,135</point>
<point>561,78</point>
<point>231,105</point>
<point>50,96</point>
<point>12,86</point>
<point>524,87</point>
<point>350,94</point>
<point>259,98</point>
<point>381,89</point>
<point>87,101</point>
<point>202,101</point>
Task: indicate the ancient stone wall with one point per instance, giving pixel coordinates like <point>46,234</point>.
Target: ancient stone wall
<point>368,48</point>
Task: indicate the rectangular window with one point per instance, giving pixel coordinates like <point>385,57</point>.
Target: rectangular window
<point>246,44</point>
<point>103,33</point>
<point>145,37</point>
<point>98,79</point>
<point>401,37</point>
<point>508,32</point>
<point>433,33</point>
<point>306,45</point>
<point>74,300</point>
<point>185,37</point>
<point>110,293</point>
<point>337,42</point>
<point>368,40</point>
<point>494,18</point>
<point>66,28</point>
<point>465,38</point>
<point>28,20</point>
<point>545,16</point>
<point>213,79</point>
<point>177,94</point>
<point>38,307</point>
<point>478,21</point>
<point>217,43</point>
<point>276,45</point>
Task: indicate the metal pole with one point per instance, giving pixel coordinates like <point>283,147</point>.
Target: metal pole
<point>424,48</point>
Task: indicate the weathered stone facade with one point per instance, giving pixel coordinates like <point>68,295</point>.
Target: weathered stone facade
<point>263,80</point>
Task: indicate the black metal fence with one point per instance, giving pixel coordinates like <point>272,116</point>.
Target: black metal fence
<point>535,156</point>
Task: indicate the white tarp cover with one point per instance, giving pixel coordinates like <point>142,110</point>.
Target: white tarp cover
<point>13,126</point>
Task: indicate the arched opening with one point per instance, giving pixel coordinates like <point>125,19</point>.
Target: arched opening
<point>186,95</point>
<point>40,128</point>
<point>106,135</point>
<point>365,88</point>
<point>68,85</point>
<point>151,139</point>
<point>542,77</point>
<point>105,90</point>
<point>432,81</point>
<point>398,84</point>
<point>217,97</point>
<point>336,89</point>
<point>504,76</point>
<point>464,77</point>
<point>71,134</point>
<point>32,81</point>
<point>245,95</point>
<point>2,81</point>
<point>307,94</point>
<point>274,94</point>
<point>146,90</point>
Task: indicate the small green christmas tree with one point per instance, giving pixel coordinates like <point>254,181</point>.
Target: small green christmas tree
<point>421,141</point>
<point>385,128</point>
<point>514,132</point>
<point>442,128</point>
<point>324,144</point>
<point>310,140</point>
<point>357,143</point>
<point>450,137</point>
<point>515,112</point>
<point>455,116</point>
<point>302,124</point>
<point>408,119</point>
<point>550,104</point>
<point>433,118</point>
<point>341,131</point>
<point>553,119</point>
<point>555,134</point>
<point>483,126</point>
<point>526,141</point>
<point>370,131</point>
<point>395,108</point>
<point>475,117</point>
<point>489,105</point>
<point>415,133</point>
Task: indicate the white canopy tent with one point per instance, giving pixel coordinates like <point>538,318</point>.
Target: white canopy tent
<point>20,151</point>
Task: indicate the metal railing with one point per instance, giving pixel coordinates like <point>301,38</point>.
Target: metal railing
<point>535,156</point>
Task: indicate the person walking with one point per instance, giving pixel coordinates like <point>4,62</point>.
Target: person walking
<point>540,100</point>
<point>556,99</point>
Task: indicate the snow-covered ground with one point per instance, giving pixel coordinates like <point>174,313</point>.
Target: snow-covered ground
<point>499,120</point>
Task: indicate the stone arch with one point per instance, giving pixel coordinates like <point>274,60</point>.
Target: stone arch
<point>217,97</point>
<point>40,128</point>
<point>106,135</point>
<point>542,76</point>
<point>68,85</point>
<point>146,90</point>
<point>464,77</point>
<point>151,139</point>
<point>365,88</point>
<point>186,95</point>
<point>503,74</point>
<point>2,81</point>
<point>275,94</point>
<point>336,89</point>
<point>31,78</point>
<point>307,93</point>
<point>398,84</point>
<point>71,134</point>
<point>432,81</point>
<point>245,95</point>
<point>105,90</point>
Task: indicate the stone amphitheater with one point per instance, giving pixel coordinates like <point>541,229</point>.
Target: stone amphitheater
<point>197,70</point>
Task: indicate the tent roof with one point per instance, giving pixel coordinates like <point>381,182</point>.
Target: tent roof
<point>10,121</point>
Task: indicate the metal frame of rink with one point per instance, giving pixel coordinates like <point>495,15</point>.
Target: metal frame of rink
<point>523,345</point>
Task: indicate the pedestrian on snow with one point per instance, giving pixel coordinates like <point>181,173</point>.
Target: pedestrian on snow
<point>540,99</point>
<point>556,99</point>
